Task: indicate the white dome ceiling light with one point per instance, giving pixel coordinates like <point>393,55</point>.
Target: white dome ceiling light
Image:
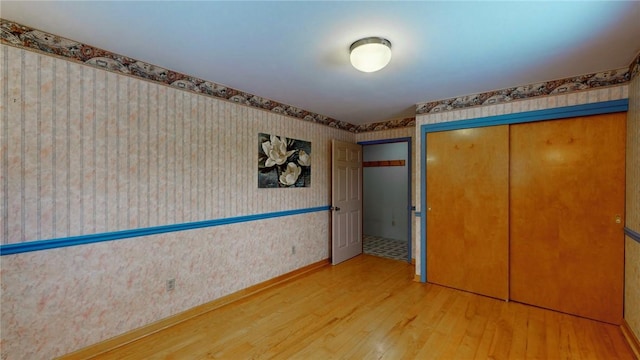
<point>370,54</point>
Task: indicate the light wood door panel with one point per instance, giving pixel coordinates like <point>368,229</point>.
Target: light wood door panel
<point>567,187</point>
<point>467,209</point>
<point>346,200</point>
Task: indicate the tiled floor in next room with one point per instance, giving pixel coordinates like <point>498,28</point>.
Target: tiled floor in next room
<point>388,248</point>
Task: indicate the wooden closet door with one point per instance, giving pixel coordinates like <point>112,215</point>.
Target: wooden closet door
<point>567,205</point>
<point>467,209</point>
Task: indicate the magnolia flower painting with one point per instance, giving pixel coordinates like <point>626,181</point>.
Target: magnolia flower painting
<point>283,162</point>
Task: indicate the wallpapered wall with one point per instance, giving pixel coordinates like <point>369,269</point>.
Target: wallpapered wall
<point>632,221</point>
<point>94,151</point>
<point>89,151</point>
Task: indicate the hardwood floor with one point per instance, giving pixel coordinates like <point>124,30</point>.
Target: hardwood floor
<point>370,308</point>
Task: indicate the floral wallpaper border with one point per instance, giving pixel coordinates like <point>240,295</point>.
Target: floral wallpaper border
<point>634,68</point>
<point>554,87</point>
<point>387,125</point>
<point>568,85</point>
<point>22,36</point>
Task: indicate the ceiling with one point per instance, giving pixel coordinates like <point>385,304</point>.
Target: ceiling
<point>297,52</point>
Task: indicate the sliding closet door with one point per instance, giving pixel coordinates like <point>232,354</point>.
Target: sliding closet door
<point>467,209</point>
<point>567,206</point>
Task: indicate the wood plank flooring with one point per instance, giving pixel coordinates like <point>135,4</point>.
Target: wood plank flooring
<point>370,308</point>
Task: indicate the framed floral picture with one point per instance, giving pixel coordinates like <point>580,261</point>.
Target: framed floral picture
<point>283,162</point>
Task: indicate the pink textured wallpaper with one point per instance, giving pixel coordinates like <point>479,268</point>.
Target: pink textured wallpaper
<point>93,151</point>
<point>57,301</point>
<point>89,151</point>
<point>632,216</point>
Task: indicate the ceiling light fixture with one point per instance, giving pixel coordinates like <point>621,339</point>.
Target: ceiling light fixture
<point>370,54</point>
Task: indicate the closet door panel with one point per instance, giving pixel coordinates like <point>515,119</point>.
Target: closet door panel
<point>566,212</point>
<point>467,209</point>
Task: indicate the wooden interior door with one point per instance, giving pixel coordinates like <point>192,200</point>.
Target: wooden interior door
<point>468,209</point>
<point>346,201</point>
<point>567,206</point>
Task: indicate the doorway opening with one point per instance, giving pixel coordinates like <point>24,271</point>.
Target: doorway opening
<point>386,196</point>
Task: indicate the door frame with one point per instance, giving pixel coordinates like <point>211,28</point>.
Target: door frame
<point>604,107</point>
<point>410,206</point>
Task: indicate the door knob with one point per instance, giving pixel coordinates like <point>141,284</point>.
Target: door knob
<point>335,208</point>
